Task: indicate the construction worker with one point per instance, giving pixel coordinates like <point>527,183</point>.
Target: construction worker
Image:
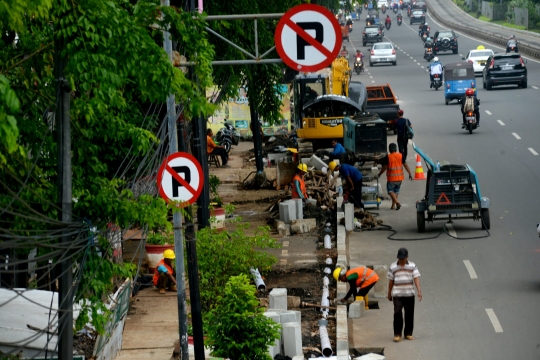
<point>394,163</point>
<point>360,279</point>
<point>164,273</point>
<point>298,184</point>
<point>353,178</point>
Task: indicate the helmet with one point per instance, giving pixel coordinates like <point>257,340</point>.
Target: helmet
<point>425,23</point>
<point>302,167</point>
<point>393,147</point>
<point>169,254</point>
<point>400,112</point>
<point>469,92</point>
<point>332,165</point>
<point>435,59</point>
<point>339,272</point>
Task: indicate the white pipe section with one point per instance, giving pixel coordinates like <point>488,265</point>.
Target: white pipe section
<point>259,282</point>
<point>327,242</point>
<point>325,342</point>
<point>329,261</point>
<point>325,281</point>
<point>325,301</point>
<point>327,270</point>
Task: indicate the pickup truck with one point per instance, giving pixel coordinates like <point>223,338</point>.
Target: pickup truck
<point>382,101</point>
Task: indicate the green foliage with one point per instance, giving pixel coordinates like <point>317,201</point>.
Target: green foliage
<point>214,182</point>
<point>223,254</point>
<point>14,12</point>
<point>236,328</point>
<point>9,106</point>
<point>158,238</point>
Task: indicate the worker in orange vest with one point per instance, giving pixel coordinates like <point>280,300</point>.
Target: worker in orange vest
<point>393,164</point>
<point>298,184</point>
<point>360,279</point>
<point>164,273</point>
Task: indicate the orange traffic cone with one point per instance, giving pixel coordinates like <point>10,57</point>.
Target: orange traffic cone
<point>419,172</point>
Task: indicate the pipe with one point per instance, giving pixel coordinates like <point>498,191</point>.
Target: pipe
<point>327,270</point>
<point>325,302</point>
<point>325,341</point>
<point>329,261</point>
<point>327,242</point>
<point>325,281</point>
<point>259,282</point>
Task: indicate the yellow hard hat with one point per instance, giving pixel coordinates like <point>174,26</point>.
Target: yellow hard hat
<point>332,165</point>
<point>169,254</point>
<point>337,272</point>
<point>293,150</point>
<point>302,167</point>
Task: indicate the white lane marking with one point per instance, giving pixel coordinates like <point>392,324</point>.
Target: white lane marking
<point>494,321</point>
<point>534,87</point>
<point>451,230</point>
<point>373,81</point>
<point>516,136</point>
<point>411,57</point>
<point>371,77</point>
<point>488,112</point>
<point>414,60</point>
<point>470,269</point>
<point>419,64</point>
<point>500,122</point>
<point>284,252</point>
<point>533,152</point>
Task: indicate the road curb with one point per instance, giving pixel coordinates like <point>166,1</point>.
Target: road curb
<point>524,47</point>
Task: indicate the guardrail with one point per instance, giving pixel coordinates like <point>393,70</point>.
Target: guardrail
<point>524,47</point>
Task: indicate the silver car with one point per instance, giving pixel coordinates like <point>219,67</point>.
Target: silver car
<point>382,52</point>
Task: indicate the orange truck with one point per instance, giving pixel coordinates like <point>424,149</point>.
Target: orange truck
<point>381,100</point>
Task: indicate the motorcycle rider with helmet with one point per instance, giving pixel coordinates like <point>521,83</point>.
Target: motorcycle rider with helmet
<point>435,68</point>
<point>423,28</point>
<point>368,20</point>
<point>361,56</point>
<point>344,52</point>
<point>428,45</point>
<point>400,16</point>
<point>388,20</point>
<point>512,40</point>
<point>469,93</point>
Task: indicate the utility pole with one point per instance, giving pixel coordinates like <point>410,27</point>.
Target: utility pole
<point>177,216</point>
<point>63,132</point>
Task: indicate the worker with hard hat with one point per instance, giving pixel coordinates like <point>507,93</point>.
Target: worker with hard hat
<point>360,279</point>
<point>353,178</point>
<point>164,273</point>
<point>298,185</point>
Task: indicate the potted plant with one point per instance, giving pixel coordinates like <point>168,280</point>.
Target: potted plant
<point>157,242</point>
<point>216,210</point>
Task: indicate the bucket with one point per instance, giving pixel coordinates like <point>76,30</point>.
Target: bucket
<point>219,223</point>
<point>154,254</point>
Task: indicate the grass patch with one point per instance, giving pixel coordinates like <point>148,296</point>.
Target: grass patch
<point>507,24</point>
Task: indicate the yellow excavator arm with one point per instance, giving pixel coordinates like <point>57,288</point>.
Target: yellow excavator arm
<point>341,74</point>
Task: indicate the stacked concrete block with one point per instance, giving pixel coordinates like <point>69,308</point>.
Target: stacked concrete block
<point>341,290</point>
<point>342,355</point>
<point>316,162</point>
<point>299,209</point>
<point>342,329</point>
<point>349,217</point>
<point>339,202</point>
<point>292,339</point>
<point>342,247</point>
<point>357,309</point>
<point>380,290</point>
<point>275,349</point>
<point>290,316</point>
<point>287,211</point>
<point>278,299</point>
<point>303,226</point>
<point>282,228</point>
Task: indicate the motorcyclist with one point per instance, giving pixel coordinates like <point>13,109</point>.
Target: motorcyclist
<point>400,16</point>
<point>435,68</point>
<point>359,54</point>
<point>469,94</point>
<point>423,28</point>
<point>511,40</point>
<point>428,45</point>
<point>388,20</point>
<point>395,6</point>
<point>344,52</point>
<point>349,22</point>
<point>368,20</point>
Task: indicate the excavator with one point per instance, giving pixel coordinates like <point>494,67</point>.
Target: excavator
<point>320,102</point>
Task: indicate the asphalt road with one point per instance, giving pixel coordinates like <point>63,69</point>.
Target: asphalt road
<point>481,295</point>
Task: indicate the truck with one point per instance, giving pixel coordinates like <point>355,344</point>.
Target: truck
<point>381,100</point>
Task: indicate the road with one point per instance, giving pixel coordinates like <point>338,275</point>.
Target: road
<point>481,291</point>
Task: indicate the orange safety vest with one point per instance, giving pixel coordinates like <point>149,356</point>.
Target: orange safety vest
<point>295,195</point>
<point>366,276</point>
<point>156,273</point>
<point>395,167</point>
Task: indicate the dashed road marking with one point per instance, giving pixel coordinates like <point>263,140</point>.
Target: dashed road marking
<point>285,252</point>
<point>371,77</point>
<point>534,87</point>
<point>286,243</point>
<point>533,152</point>
<point>373,81</point>
<point>470,269</point>
<point>494,321</point>
<point>488,112</point>
<point>516,136</point>
<point>411,57</point>
<point>500,122</point>
<point>414,60</point>
<point>283,262</point>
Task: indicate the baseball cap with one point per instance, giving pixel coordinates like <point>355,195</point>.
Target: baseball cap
<point>402,253</point>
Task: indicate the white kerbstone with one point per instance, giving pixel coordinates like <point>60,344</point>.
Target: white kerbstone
<point>287,211</point>
<point>349,217</point>
<point>292,339</point>
<point>298,205</point>
<point>278,299</point>
<point>342,329</point>
<point>357,309</point>
<point>275,349</point>
<point>290,316</point>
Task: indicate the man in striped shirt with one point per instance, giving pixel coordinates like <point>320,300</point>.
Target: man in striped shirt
<point>403,275</point>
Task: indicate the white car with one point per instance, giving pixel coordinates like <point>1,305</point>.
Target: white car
<point>380,3</point>
<point>478,58</point>
<point>382,52</point>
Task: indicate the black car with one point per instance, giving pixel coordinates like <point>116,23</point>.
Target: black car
<point>405,4</point>
<point>445,40</point>
<point>505,69</point>
<point>418,16</point>
<point>371,34</point>
<point>420,5</point>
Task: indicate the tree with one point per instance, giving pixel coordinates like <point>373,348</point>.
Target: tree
<point>237,327</point>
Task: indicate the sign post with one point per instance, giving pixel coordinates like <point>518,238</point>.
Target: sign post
<point>308,38</point>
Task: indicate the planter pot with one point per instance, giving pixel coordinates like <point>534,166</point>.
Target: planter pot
<point>154,254</point>
<point>219,224</point>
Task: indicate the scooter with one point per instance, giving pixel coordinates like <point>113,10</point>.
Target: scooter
<point>399,21</point>
<point>437,82</point>
<point>395,10</point>
<point>470,121</point>
<point>388,26</point>
<point>358,65</point>
<point>383,9</point>
<point>428,54</point>
<point>228,136</point>
<point>350,28</point>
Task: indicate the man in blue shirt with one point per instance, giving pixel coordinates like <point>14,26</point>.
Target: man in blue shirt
<point>338,150</point>
<point>353,178</point>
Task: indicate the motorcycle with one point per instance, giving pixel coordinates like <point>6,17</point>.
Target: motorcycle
<point>437,82</point>
<point>383,8</point>
<point>409,12</point>
<point>424,37</point>
<point>350,28</point>
<point>428,54</point>
<point>228,136</point>
<point>470,121</point>
<point>388,26</point>
<point>399,21</point>
<point>395,10</point>
<point>358,65</point>
<point>511,46</point>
